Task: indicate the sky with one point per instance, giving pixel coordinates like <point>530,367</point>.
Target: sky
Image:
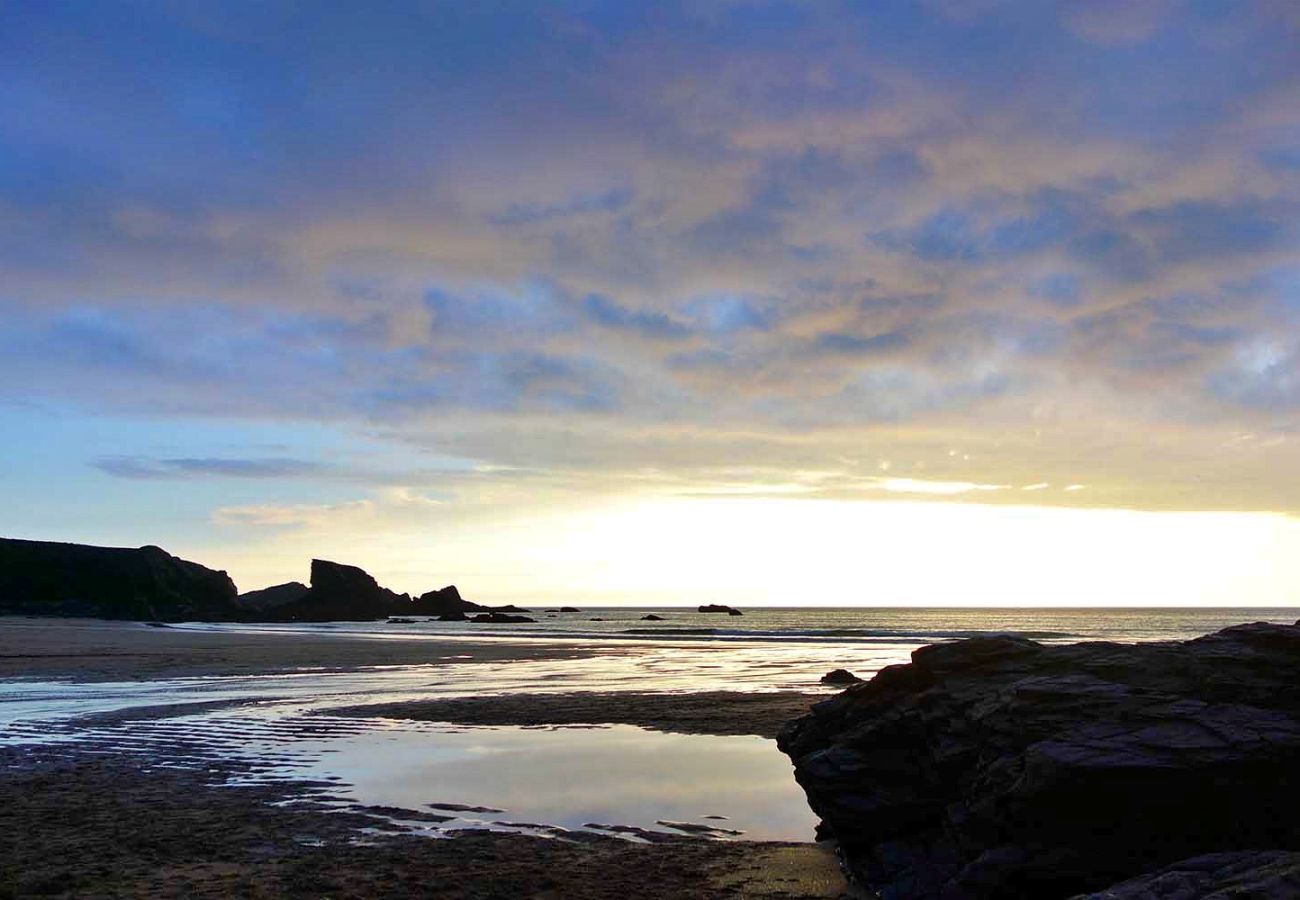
<point>934,302</point>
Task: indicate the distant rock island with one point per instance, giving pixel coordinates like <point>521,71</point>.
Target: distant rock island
<point>719,608</point>
<point>45,578</point>
<point>999,767</point>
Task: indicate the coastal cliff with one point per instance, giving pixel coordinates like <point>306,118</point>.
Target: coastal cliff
<point>1000,767</point>
<point>54,579</point>
<point>46,578</point>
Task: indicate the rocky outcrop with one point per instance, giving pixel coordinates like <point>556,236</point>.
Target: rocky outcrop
<point>254,602</point>
<point>1258,874</point>
<point>146,583</point>
<point>719,608</point>
<point>339,593</point>
<point>441,602</point>
<point>999,767</point>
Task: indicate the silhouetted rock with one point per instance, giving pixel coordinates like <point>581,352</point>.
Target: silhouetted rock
<point>44,578</point>
<point>569,609</point>
<point>453,616</point>
<point>652,618</point>
<point>272,597</point>
<point>508,608</point>
<point>719,608</point>
<point>840,676</point>
<point>1259,874</point>
<point>443,600</point>
<point>500,617</point>
<point>340,593</point>
<point>999,767</point>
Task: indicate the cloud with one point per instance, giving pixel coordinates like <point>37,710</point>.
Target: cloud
<point>563,239</point>
<point>139,467</point>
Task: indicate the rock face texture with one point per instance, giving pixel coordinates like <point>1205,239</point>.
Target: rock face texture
<point>52,579</point>
<point>999,767</point>
<point>1253,874</point>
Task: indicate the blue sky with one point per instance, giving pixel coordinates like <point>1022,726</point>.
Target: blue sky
<point>385,279</point>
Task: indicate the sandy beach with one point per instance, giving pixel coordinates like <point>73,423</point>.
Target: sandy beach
<point>96,816</point>
<point>98,650</point>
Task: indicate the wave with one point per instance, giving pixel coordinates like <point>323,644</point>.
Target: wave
<point>866,633</point>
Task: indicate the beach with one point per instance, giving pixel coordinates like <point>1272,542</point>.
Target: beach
<point>118,778</point>
<point>428,759</point>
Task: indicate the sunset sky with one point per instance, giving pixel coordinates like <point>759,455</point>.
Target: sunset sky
<point>936,302</point>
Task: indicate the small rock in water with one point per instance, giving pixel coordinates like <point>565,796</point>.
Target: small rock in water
<point>840,676</point>
<point>652,618</point>
<point>693,828</point>
<point>461,807</point>
<point>719,608</point>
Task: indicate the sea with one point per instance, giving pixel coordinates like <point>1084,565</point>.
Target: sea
<point>552,782</point>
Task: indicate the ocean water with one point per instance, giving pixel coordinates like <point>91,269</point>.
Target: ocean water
<point>852,625</point>
<point>553,782</point>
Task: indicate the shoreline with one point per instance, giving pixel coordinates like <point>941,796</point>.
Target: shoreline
<point>98,650</point>
<point>84,819</point>
<point>701,712</point>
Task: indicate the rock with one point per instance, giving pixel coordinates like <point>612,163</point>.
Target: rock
<point>595,619</point>
<point>840,676</point>
<point>508,608</point>
<point>454,616</point>
<point>652,618</point>
<point>1218,876</point>
<point>719,608</point>
<point>273,597</point>
<point>999,767</point>
<point>500,617</point>
<point>569,609</point>
<point>43,578</point>
<point>340,593</point>
<point>442,601</point>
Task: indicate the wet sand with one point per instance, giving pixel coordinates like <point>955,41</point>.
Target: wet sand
<point>96,650</point>
<point>707,712</point>
<point>75,821</point>
<point>78,825</point>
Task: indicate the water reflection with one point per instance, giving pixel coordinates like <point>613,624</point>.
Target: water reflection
<point>569,777</point>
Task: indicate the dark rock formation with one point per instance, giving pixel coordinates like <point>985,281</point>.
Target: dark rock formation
<point>269,598</point>
<point>442,601</point>
<point>508,608</point>
<point>50,579</point>
<point>500,617</point>
<point>652,618</point>
<point>1259,874</point>
<point>453,616</point>
<point>840,676</point>
<point>569,609</point>
<point>719,608</point>
<point>999,767</point>
<point>340,593</point>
